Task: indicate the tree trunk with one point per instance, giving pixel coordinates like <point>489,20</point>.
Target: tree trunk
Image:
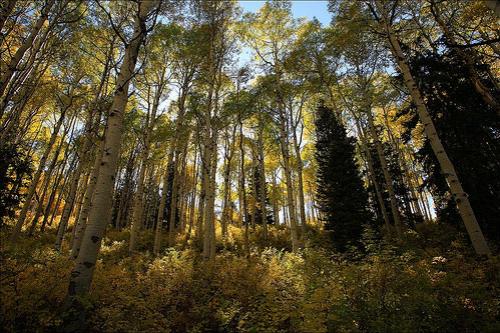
<point>404,168</point>
<point>276,213</point>
<point>53,192</point>
<point>81,276</point>
<point>243,197</point>
<point>385,170</point>
<point>36,177</point>
<point>193,198</point>
<point>48,174</point>
<point>137,221</point>
<point>28,42</point>
<point>56,206</point>
<point>288,179</point>
<point>163,204</point>
<point>87,202</point>
<point>371,171</point>
<point>68,207</point>
<point>262,178</point>
<point>229,153</point>
<point>447,168</point>
<point>300,182</point>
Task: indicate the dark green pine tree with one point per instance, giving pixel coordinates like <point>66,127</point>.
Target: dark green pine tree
<point>256,194</point>
<point>341,197</point>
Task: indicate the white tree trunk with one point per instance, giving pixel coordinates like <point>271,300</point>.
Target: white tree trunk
<point>12,66</point>
<point>81,276</point>
<point>447,168</point>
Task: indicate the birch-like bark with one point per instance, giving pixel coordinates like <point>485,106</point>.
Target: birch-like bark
<point>447,167</point>
<point>404,167</point>
<point>50,170</point>
<point>262,177</point>
<point>55,188</point>
<point>68,207</point>
<point>285,152</point>
<point>243,197</point>
<point>28,42</point>
<point>228,157</point>
<point>81,276</point>
<point>276,215</point>
<point>87,201</point>
<point>193,198</point>
<point>296,141</point>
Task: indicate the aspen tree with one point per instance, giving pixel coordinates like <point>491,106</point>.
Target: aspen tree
<point>262,175</point>
<point>163,203</point>
<point>460,197</point>
<point>137,221</point>
<point>28,42</point>
<point>65,105</point>
<point>81,276</point>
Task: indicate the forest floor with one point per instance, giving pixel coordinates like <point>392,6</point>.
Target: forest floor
<point>429,282</point>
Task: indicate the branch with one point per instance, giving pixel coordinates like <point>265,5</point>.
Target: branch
<point>115,29</point>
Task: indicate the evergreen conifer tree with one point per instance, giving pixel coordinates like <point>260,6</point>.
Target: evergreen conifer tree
<point>341,197</point>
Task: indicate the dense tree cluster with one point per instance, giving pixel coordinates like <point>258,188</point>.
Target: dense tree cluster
<point>192,127</point>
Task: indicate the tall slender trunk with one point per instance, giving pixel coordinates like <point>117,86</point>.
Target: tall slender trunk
<point>87,202</point>
<point>262,177</point>
<point>55,186</point>
<point>209,164</point>
<point>447,167</point>
<point>137,221</point>
<point>183,197</point>
<point>200,225</point>
<point>288,179</point>
<point>228,154</point>
<point>372,174</point>
<point>56,206</point>
<point>48,174</point>
<point>68,207</point>
<point>36,177</point>
<point>28,42</point>
<point>174,202</point>
<point>300,181</point>
<point>81,276</point>
<point>276,213</point>
<point>255,195</point>
<point>404,167</point>
<point>79,205</point>
<point>243,197</point>
<point>193,198</point>
<point>385,170</point>
<point>163,203</point>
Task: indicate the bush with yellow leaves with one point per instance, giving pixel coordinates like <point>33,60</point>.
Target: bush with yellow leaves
<point>412,287</point>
